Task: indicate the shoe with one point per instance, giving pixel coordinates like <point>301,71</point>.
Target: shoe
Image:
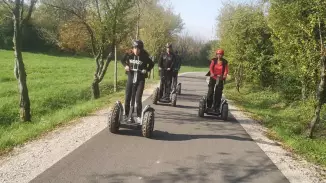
<point>124,117</point>
<point>138,120</point>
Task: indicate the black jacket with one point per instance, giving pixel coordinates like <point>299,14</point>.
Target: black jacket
<point>141,62</point>
<point>167,60</point>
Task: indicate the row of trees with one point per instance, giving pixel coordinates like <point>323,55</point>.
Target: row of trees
<point>90,27</point>
<point>278,44</point>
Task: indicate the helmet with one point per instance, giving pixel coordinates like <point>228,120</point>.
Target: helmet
<point>168,45</point>
<point>138,44</point>
<point>220,51</point>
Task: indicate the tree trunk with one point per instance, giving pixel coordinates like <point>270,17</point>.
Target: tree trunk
<point>20,73</point>
<point>320,99</point>
<point>137,28</point>
<point>304,88</point>
<point>96,88</point>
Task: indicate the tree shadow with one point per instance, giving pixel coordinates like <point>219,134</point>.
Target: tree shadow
<point>229,169</point>
<point>186,107</point>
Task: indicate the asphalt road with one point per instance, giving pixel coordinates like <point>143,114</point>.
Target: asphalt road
<point>184,148</point>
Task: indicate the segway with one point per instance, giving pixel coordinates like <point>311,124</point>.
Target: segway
<point>221,110</point>
<point>167,97</point>
<point>116,118</point>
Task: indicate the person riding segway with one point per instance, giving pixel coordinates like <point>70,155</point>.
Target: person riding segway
<point>163,93</point>
<point>213,102</point>
<point>137,64</point>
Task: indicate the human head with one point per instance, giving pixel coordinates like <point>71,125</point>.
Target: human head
<point>168,47</point>
<point>137,46</point>
<point>219,53</point>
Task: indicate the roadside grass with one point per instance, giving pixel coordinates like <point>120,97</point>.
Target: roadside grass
<point>59,90</point>
<point>286,122</point>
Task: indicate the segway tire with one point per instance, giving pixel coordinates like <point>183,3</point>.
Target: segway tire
<point>148,124</point>
<point>202,107</point>
<point>155,95</point>
<point>179,89</point>
<point>174,100</point>
<point>225,112</point>
<point>113,119</point>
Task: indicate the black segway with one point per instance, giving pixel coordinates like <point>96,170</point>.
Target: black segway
<point>167,97</point>
<point>116,118</point>
<point>221,110</point>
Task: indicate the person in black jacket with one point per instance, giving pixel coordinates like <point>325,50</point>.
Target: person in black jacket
<point>176,69</point>
<point>166,63</point>
<point>137,65</point>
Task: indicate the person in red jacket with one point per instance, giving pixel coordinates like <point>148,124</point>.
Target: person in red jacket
<point>218,70</point>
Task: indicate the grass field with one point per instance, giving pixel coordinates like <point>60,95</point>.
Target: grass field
<point>59,90</point>
<point>287,122</point>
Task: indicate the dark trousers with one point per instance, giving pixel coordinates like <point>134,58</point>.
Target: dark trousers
<point>218,93</point>
<point>134,91</point>
<point>174,81</point>
<point>165,85</point>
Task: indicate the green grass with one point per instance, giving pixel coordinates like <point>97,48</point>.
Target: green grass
<point>286,122</point>
<point>59,90</point>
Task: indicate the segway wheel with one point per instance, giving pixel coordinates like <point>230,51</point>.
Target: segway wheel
<point>113,121</point>
<point>155,95</point>
<point>225,112</point>
<point>202,107</point>
<point>174,100</point>
<point>179,89</point>
<point>148,124</point>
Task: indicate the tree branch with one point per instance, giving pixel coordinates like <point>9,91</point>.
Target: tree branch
<point>88,27</point>
<point>30,10</point>
<point>97,64</point>
<point>8,5</point>
<point>22,10</point>
<point>98,10</point>
<point>105,67</point>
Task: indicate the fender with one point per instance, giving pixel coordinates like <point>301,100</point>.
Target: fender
<point>146,108</point>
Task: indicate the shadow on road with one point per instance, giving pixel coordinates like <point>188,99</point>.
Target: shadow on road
<point>166,136</point>
<point>231,170</point>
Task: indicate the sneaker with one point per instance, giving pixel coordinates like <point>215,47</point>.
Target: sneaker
<point>138,120</point>
<point>124,118</point>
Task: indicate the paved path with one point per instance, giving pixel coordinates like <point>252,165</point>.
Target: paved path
<point>184,148</point>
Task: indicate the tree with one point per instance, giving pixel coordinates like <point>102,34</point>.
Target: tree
<point>107,23</point>
<point>158,26</point>
<point>20,18</point>
<point>296,44</point>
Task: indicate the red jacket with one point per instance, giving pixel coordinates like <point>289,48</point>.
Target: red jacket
<point>217,69</point>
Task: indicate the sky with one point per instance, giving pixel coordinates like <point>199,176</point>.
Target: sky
<point>199,16</point>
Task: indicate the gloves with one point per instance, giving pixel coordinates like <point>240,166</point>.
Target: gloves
<point>143,71</point>
<point>127,68</point>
